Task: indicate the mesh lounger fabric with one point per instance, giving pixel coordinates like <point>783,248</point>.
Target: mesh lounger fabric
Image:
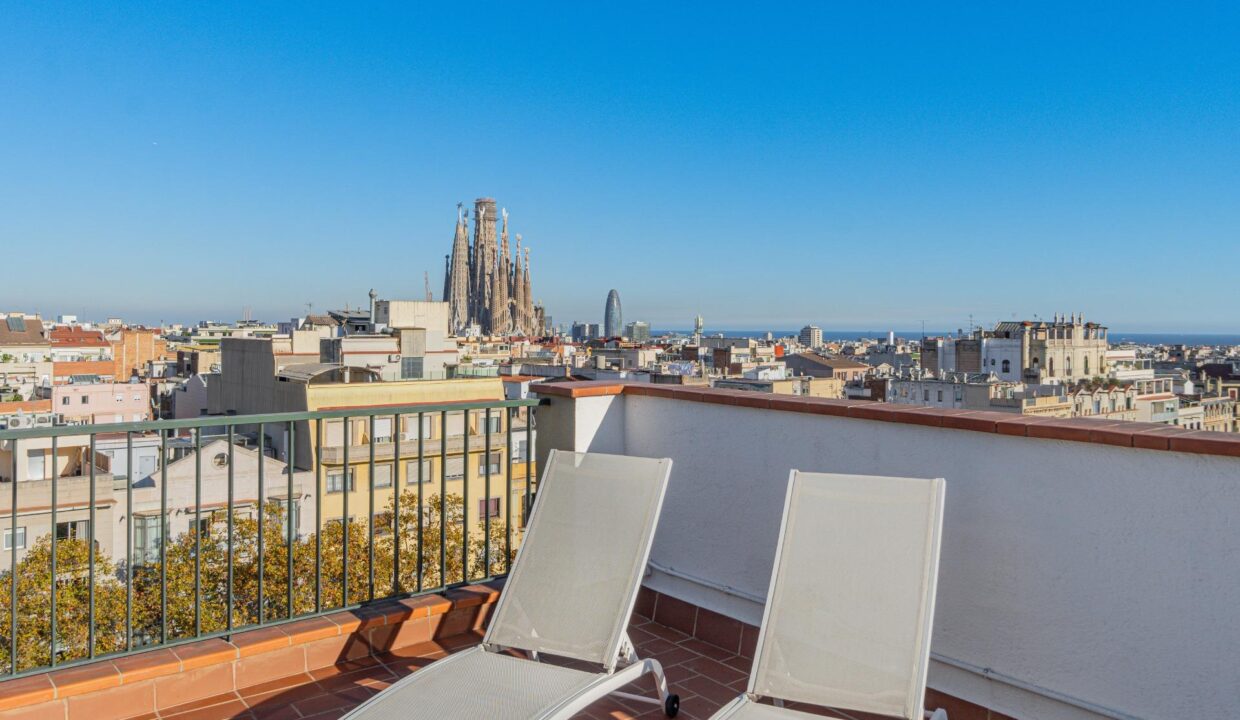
<point>476,684</point>
<point>852,598</point>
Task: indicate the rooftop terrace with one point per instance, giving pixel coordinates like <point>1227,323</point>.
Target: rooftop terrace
<point>1087,570</point>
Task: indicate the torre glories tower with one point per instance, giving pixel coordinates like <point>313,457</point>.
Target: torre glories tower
<point>613,320</point>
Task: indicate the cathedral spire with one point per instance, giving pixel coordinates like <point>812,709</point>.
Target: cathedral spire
<point>501,312</point>
<point>484,261</point>
<point>517,280</point>
<point>456,277</point>
<point>530,321</point>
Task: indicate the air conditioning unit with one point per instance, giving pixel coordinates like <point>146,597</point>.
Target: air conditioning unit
<point>19,421</point>
<point>394,358</point>
<point>43,420</point>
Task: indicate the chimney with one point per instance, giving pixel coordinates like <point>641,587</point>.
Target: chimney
<point>373,297</point>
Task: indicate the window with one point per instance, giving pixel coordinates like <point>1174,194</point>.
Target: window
<point>36,465</point>
<point>73,530</point>
<point>1007,366</point>
<point>147,534</point>
<point>335,481</point>
<point>383,475</point>
<point>494,464</point>
<point>455,469</point>
<point>519,450</point>
<point>383,430</point>
<point>85,399</point>
<point>925,395</point>
<point>492,425</point>
<point>940,396</point>
<point>21,538</point>
<point>411,368</point>
<point>383,523</point>
<point>64,400</point>
<point>488,507</point>
<point>411,472</point>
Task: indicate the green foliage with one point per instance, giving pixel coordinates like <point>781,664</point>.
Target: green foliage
<point>200,567</point>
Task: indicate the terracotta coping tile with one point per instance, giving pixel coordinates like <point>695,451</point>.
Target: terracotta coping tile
<point>745,398</point>
<point>930,417</point>
<point>26,691</point>
<point>977,420</point>
<point>1078,429</point>
<point>434,604</point>
<point>259,640</point>
<point>471,595</point>
<point>1156,439</point>
<point>308,630</point>
<point>1118,433</point>
<point>205,652</point>
<point>1212,443</point>
<point>1018,425</point>
<point>813,405</point>
<point>588,388</point>
<point>389,611</point>
<point>85,678</point>
<point>147,665</point>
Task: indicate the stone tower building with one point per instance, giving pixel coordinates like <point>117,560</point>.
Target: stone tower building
<point>486,285</point>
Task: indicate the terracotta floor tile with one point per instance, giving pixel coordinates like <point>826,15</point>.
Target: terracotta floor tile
<point>291,681</point>
<point>231,710</point>
<point>200,703</point>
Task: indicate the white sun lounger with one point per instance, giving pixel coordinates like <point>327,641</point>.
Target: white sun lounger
<point>851,602</point>
<point>569,595</point>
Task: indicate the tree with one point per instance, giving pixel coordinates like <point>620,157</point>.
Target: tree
<point>34,601</point>
<point>198,568</point>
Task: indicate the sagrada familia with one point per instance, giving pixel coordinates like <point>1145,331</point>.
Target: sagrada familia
<point>488,290</point>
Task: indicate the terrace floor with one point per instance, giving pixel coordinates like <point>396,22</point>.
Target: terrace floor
<point>704,675</point>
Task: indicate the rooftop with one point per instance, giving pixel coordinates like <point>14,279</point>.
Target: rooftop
<point>1087,567</point>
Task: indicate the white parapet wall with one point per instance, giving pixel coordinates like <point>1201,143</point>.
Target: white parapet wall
<point>1077,580</point>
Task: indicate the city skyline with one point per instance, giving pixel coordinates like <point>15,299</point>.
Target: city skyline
<point>839,182</point>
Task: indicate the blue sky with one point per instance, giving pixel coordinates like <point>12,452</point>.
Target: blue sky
<point>854,166</point>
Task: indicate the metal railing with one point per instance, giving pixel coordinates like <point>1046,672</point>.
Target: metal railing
<point>250,555</point>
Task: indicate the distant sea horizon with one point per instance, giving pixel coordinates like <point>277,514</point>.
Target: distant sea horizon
<point>1115,336</point>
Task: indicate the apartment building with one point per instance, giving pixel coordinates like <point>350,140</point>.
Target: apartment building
<point>88,399</point>
<point>803,386</point>
<point>249,385</point>
<point>1104,400</point>
<point>815,365</point>
<point>134,349</point>
<point>70,465</point>
<point>25,357</point>
<point>1065,350</point>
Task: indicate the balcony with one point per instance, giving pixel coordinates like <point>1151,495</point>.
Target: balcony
<point>1088,568</point>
